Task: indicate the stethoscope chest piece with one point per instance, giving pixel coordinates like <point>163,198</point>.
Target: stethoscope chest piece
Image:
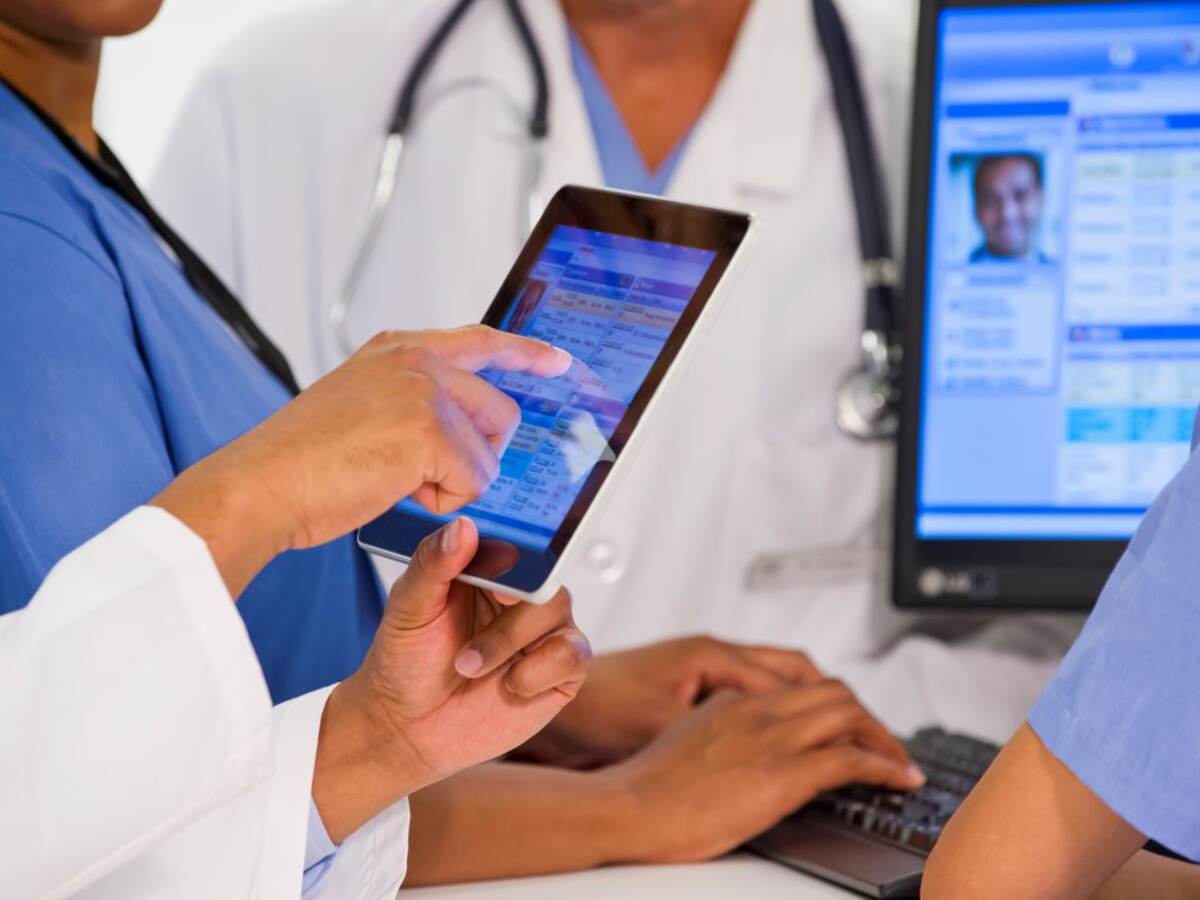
<point>866,397</point>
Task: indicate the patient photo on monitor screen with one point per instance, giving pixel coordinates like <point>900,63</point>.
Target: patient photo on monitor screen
<point>1006,209</point>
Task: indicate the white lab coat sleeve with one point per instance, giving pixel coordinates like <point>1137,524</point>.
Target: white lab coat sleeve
<point>132,704</point>
<point>140,752</point>
<point>369,865</point>
<point>193,186</point>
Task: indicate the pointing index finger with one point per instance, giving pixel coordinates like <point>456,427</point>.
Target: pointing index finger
<point>478,347</point>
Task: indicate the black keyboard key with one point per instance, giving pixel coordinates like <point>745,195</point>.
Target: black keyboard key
<point>952,764</point>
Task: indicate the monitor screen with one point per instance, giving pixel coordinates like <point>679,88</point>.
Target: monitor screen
<point>612,301</point>
<point>1060,372</point>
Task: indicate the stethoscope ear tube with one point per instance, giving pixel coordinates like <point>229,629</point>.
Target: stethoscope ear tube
<point>393,154</point>
<point>381,198</point>
<point>539,117</point>
<point>407,101</point>
<point>866,400</point>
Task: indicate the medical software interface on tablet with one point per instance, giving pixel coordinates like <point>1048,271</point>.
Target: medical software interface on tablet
<point>1062,367</point>
<point>612,302</point>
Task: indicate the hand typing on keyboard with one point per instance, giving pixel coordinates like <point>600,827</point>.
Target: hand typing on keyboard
<point>952,764</point>
<point>740,763</point>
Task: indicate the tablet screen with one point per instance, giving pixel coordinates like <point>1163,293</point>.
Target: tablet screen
<point>618,281</point>
<point>611,302</point>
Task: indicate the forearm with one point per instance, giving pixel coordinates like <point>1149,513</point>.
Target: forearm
<point>1030,828</point>
<point>243,530</point>
<point>1150,877</point>
<point>518,820</point>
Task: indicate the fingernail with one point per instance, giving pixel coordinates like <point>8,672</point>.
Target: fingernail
<point>564,358</point>
<point>468,662</point>
<point>915,775</point>
<point>583,646</point>
<point>448,541</point>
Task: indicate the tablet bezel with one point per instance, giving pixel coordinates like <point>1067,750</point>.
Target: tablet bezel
<point>397,532</point>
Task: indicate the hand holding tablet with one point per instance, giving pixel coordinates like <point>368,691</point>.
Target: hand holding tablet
<point>624,283</point>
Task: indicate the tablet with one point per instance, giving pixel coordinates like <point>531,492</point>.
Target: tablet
<point>625,283</point>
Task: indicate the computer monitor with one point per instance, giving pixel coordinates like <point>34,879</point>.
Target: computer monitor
<point>1052,329</point>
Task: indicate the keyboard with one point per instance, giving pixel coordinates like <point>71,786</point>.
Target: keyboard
<point>875,841</point>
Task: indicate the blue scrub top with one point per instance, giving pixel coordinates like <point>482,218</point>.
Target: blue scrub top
<point>620,160</point>
<point>115,376</point>
<point>1123,710</point>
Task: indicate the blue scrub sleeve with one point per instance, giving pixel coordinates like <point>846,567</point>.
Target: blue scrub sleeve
<point>1123,710</point>
<point>82,442</point>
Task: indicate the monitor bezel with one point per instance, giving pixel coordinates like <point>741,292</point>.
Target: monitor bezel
<point>981,574</point>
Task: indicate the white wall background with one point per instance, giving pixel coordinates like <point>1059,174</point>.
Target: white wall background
<point>144,78</point>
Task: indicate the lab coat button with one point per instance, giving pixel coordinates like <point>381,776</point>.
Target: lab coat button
<point>602,556</point>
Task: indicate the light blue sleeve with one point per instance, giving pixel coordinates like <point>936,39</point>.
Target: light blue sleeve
<point>319,852</point>
<point>1123,710</point>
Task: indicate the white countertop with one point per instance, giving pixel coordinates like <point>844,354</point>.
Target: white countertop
<point>740,874</point>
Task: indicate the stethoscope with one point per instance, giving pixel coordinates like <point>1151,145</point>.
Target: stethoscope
<point>537,127</point>
<point>867,396</point>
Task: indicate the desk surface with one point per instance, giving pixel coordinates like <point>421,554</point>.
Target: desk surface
<point>740,874</point>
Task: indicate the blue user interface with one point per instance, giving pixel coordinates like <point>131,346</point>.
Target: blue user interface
<point>612,302</point>
<point>1062,332</point>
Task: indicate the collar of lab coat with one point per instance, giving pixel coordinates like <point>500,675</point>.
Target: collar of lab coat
<point>757,124</point>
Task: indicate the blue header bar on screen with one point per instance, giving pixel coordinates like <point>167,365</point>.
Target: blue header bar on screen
<point>1110,333</point>
<point>601,239</point>
<point>1135,38</point>
<point>1054,17</point>
<point>1008,110</point>
<point>1121,124</point>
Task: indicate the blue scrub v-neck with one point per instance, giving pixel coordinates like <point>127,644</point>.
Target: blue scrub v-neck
<point>621,162</point>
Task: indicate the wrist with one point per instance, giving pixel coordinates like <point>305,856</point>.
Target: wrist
<point>219,505</point>
<point>624,829</point>
<point>362,765</point>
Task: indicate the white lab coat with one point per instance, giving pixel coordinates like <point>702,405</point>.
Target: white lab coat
<point>270,172</point>
<point>140,752</point>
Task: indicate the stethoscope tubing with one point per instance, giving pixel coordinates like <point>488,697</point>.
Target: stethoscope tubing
<point>866,400</point>
<point>392,155</point>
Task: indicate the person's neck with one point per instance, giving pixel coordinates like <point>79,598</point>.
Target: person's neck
<point>661,60</point>
<point>59,77</point>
